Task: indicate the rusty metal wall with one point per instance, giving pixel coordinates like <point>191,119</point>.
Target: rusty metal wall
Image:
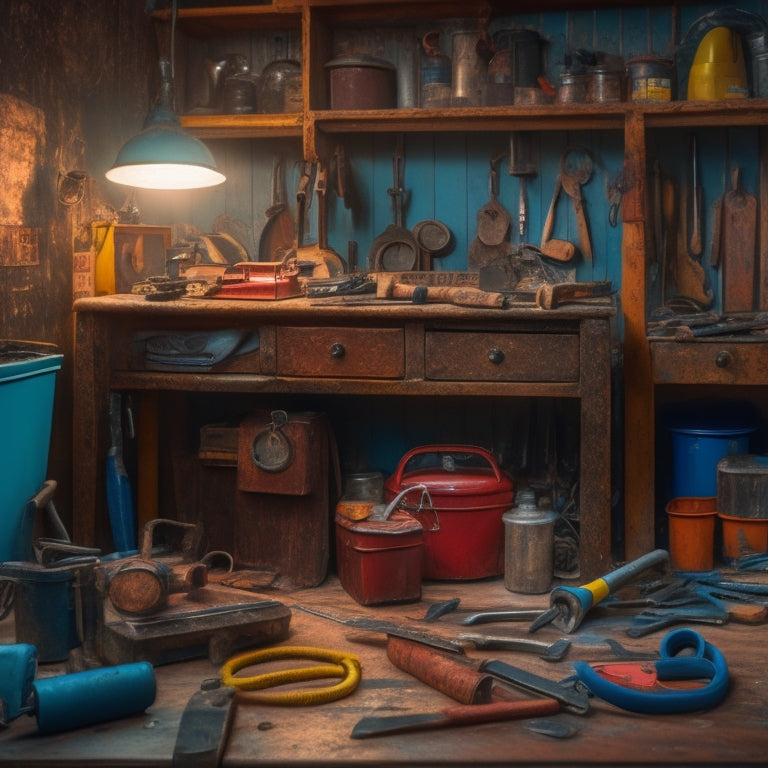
<point>73,74</point>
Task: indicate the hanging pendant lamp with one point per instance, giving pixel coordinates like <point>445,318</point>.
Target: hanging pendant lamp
<point>163,155</point>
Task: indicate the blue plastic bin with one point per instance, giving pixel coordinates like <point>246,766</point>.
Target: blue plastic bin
<point>700,438</point>
<point>27,385</point>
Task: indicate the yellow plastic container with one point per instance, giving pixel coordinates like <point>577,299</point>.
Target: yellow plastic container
<point>718,71</point>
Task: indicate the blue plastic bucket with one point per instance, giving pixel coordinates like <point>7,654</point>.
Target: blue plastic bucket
<point>27,385</point>
<point>699,440</point>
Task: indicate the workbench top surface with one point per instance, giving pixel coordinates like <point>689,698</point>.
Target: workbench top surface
<point>733,733</point>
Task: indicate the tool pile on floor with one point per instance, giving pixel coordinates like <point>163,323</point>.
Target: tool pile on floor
<point>165,603</point>
<point>687,674</point>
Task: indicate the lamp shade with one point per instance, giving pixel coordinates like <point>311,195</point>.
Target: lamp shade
<point>163,155</point>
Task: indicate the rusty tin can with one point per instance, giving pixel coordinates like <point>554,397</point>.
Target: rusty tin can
<point>605,85</point>
<point>362,82</point>
<point>380,561</point>
<point>651,78</point>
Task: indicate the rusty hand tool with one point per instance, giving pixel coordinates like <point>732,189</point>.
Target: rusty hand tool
<point>569,605</point>
<point>473,682</point>
<point>390,628</point>
<point>560,250</point>
<point>551,296</point>
<point>548,651</point>
<point>205,725</point>
<point>487,617</point>
<point>472,714</point>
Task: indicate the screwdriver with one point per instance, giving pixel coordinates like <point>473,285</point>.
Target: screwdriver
<point>569,605</point>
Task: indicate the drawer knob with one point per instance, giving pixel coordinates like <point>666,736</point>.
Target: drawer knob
<point>496,356</point>
<point>338,351</point>
<point>723,359</point>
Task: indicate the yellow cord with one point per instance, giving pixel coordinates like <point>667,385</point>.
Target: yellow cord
<point>344,665</point>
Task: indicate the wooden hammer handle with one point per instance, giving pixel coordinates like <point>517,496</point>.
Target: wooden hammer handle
<point>465,297</point>
<point>551,296</point>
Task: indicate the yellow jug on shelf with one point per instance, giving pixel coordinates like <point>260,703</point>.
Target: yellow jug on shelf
<point>718,71</point>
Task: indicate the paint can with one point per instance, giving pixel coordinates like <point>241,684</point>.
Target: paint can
<point>651,78</point>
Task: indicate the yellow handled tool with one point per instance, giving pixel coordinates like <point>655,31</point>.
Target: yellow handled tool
<point>569,605</point>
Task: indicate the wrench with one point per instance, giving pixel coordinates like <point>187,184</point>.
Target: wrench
<point>554,652</point>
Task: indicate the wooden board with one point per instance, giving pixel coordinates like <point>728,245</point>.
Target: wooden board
<point>739,231</point>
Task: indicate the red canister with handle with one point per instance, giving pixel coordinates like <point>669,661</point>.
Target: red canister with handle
<point>463,529</point>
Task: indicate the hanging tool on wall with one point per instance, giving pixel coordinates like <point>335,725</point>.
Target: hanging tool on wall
<point>576,170</point>
<point>694,202</point>
<point>493,220</point>
<point>522,165</point>
<point>734,249</point>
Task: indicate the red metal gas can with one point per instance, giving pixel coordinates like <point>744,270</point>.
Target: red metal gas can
<point>380,561</point>
<point>463,529</point>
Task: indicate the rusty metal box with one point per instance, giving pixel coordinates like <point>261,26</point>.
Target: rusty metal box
<point>380,561</point>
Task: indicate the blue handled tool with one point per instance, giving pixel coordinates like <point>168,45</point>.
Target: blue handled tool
<point>670,685</point>
<point>569,605</point>
<point>122,514</point>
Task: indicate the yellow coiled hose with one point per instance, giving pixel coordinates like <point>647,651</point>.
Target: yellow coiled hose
<point>343,665</point>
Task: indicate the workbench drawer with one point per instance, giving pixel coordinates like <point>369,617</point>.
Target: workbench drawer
<point>709,361</point>
<point>480,356</point>
<point>369,353</point>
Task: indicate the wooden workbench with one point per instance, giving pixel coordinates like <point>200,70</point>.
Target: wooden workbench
<point>328,348</point>
<point>734,733</point>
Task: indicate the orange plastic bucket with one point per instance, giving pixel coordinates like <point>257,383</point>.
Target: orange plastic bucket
<point>692,532</point>
<point>751,532</point>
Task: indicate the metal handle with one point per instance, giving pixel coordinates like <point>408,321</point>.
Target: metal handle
<point>496,356</point>
<point>723,359</point>
<point>338,351</point>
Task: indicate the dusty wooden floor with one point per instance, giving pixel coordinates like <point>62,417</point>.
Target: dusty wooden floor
<point>733,733</point>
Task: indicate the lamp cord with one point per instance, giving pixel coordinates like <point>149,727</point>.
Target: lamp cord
<point>174,11</point>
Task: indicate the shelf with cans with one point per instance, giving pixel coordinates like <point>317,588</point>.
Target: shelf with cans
<point>311,68</point>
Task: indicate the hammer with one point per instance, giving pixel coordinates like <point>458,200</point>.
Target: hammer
<point>551,296</point>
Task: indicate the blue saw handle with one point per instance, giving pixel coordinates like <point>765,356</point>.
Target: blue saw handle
<point>122,515</point>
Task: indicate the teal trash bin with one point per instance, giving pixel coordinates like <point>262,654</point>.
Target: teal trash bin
<point>701,436</point>
<point>27,385</point>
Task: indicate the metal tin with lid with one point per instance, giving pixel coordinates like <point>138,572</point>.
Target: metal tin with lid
<point>529,545</point>
<point>362,81</point>
<point>464,534</point>
<point>651,78</point>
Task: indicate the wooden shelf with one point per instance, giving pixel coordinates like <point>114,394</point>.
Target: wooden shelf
<point>243,126</point>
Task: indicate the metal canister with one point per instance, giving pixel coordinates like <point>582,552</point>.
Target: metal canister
<point>280,87</point>
<point>436,74</point>
<point>605,85</point>
<point>529,543</point>
<point>239,94</point>
<point>470,72</point>
<point>362,82</point>
<point>572,89</point>
<point>516,64</point>
<point>757,43</point>
<point>651,78</point>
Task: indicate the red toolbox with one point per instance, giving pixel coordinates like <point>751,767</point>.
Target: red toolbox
<point>464,532</point>
<point>380,561</point>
